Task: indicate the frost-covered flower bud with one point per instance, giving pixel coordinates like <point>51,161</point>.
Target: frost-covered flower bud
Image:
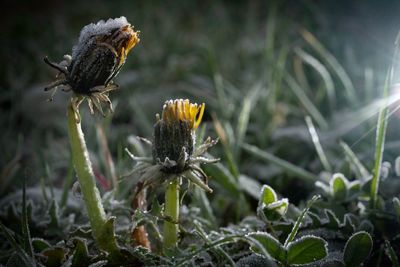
<point>100,53</point>
<point>174,134</point>
<point>96,59</point>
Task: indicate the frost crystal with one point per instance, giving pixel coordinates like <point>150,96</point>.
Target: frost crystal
<point>100,28</point>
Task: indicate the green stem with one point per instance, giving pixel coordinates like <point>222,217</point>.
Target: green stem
<point>172,214</point>
<point>102,229</point>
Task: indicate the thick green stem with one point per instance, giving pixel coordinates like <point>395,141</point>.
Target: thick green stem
<point>102,229</point>
<point>172,214</point>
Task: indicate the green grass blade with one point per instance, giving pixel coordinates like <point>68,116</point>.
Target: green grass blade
<point>67,185</point>
<point>28,261</point>
<point>244,117</point>
<point>317,144</point>
<point>363,172</point>
<point>333,63</point>
<point>287,166</point>
<point>305,101</point>
<point>391,254</point>
<point>323,72</point>
<point>380,143</point>
<point>243,121</point>
<point>299,220</point>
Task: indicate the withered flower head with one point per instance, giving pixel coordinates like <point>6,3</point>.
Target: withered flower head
<point>96,59</point>
<point>174,148</point>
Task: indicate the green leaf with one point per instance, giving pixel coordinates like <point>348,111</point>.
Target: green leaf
<point>55,256</point>
<point>338,185</point>
<point>357,249</point>
<point>275,210</point>
<point>333,221</point>
<point>348,225</point>
<point>268,195</point>
<point>269,244</point>
<point>39,244</point>
<point>81,253</point>
<point>306,250</point>
<point>316,220</point>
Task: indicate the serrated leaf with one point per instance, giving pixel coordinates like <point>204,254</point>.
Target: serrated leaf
<point>333,221</point>
<point>348,225</point>
<point>270,244</point>
<point>306,250</point>
<point>81,253</point>
<point>316,220</point>
<point>338,185</point>
<point>357,249</point>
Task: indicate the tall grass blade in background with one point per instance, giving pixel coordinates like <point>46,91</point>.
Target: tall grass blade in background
<point>323,72</point>
<point>334,64</point>
<point>307,104</point>
<point>380,143</point>
<point>363,173</point>
<point>381,131</point>
<point>317,144</point>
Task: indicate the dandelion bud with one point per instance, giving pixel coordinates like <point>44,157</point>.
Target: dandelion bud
<point>96,59</point>
<point>174,134</point>
<point>100,54</point>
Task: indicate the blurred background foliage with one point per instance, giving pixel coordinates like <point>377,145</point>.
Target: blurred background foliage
<point>261,67</point>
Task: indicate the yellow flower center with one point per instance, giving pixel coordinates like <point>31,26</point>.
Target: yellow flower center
<point>183,110</point>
